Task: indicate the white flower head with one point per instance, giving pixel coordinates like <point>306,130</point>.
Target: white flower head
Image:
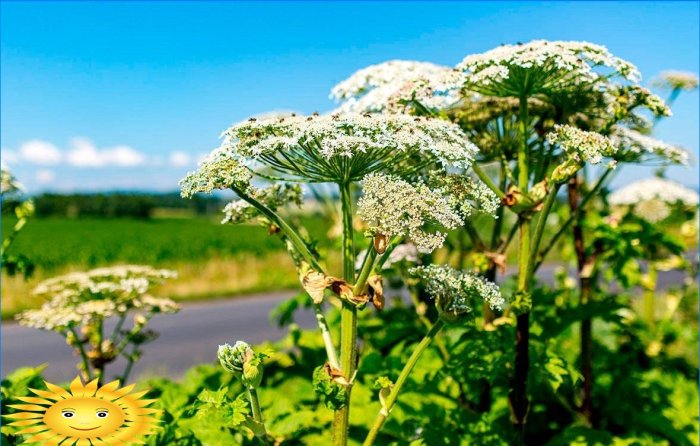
<point>394,207</point>
<point>382,87</point>
<point>219,170</point>
<point>677,80</point>
<point>638,146</point>
<point>540,66</point>
<point>653,198</point>
<point>456,292</point>
<point>338,147</point>
<point>580,145</point>
<point>81,297</point>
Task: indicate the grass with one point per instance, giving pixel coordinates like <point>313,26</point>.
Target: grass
<point>212,260</point>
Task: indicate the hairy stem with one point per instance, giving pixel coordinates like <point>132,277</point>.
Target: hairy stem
<point>348,319</point>
<point>393,395</point>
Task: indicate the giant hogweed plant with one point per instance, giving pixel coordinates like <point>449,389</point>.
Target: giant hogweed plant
<point>411,171</point>
<point>541,113</point>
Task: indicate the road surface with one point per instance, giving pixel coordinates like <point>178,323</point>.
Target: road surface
<point>187,338</point>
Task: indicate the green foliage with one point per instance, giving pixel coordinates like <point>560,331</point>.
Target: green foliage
<point>331,393</point>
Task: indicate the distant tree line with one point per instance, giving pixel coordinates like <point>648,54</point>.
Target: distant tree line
<point>120,204</point>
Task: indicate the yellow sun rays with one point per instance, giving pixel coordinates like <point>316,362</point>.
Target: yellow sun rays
<point>108,415</point>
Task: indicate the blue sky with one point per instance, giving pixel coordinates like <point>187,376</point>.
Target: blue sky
<point>127,95</point>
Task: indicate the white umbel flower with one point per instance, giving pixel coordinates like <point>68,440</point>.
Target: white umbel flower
<point>677,80</point>
<point>540,66</point>
<point>341,147</point>
<point>394,207</point>
<point>580,145</point>
<point>654,188</point>
<point>644,147</point>
<point>381,87</point>
<point>81,297</point>
<point>456,292</point>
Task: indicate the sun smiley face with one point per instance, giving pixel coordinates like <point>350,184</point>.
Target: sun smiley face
<point>84,417</point>
<point>87,415</point>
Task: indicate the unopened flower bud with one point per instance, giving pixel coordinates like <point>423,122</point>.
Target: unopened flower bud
<point>243,362</point>
<point>140,320</point>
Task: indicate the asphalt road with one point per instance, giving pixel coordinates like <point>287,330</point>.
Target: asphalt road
<point>187,338</point>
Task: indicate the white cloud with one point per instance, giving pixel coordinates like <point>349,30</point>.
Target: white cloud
<point>45,176</point>
<point>40,152</point>
<point>84,153</point>
<point>180,159</point>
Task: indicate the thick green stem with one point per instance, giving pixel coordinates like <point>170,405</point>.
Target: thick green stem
<point>393,395</point>
<point>518,389</point>
<point>541,224</point>
<point>649,291</point>
<point>257,413</point>
<point>348,319</point>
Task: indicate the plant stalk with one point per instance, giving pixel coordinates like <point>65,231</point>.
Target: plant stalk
<point>393,395</point>
<point>518,389</point>
<point>649,291</point>
<point>586,293</point>
<point>257,413</point>
<point>348,319</point>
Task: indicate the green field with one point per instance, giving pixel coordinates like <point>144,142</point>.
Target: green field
<point>212,259</point>
<point>54,243</point>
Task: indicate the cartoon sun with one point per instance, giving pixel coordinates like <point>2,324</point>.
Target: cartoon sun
<point>85,416</point>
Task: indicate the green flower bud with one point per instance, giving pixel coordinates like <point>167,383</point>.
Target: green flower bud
<point>243,362</point>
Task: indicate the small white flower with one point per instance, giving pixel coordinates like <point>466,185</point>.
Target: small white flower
<point>456,292</point>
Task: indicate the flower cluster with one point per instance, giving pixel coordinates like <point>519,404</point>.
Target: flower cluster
<point>622,99</point>
<point>274,197</point>
<point>219,170</point>
<point>319,146</point>
<point>677,80</point>
<point>384,87</point>
<point>652,198</point>
<point>580,145</point>
<point>243,362</point>
<point>466,194</point>
<point>456,291</point>
<point>80,298</point>
<point>635,145</point>
<point>394,207</point>
<point>550,65</point>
